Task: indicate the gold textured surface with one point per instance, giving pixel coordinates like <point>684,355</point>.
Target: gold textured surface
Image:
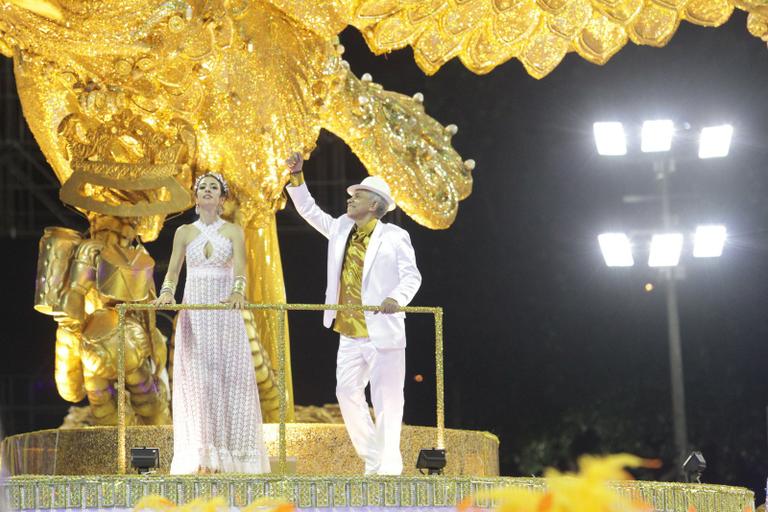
<point>125,273</point>
<point>266,379</point>
<point>104,492</point>
<point>486,33</point>
<point>124,166</point>
<point>129,99</point>
<point>539,33</point>
<point>326,413</point>
<point>57,246</point>
<point>317,449</point>
<point>266,286</point>
<point>79,280</point>
<point>239,85</point>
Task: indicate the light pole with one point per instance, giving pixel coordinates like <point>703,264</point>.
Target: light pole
<point>666,248</point>
<point>677,382</point>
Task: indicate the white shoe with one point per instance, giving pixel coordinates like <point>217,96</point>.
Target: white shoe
<point>389,473</point>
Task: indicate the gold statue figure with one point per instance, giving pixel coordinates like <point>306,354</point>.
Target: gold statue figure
<point>79,281</point>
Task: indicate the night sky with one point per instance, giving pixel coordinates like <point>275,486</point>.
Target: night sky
<point>545,346</point>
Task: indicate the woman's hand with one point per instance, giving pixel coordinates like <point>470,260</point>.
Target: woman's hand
<point>236,300</point>
<point>163,299</point>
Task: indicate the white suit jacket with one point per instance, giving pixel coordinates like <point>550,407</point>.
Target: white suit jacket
<point>389,269</point>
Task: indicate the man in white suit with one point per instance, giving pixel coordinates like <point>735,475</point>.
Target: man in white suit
<point>369,262</point>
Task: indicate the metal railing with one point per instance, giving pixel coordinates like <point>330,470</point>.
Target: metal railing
<point>122,309</point>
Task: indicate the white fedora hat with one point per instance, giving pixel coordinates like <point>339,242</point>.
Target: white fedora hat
<point>376,185</point>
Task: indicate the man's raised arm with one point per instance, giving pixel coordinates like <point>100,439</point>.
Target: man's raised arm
<point>303,200</point>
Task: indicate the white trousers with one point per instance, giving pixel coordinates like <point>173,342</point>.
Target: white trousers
<point>358,362</point>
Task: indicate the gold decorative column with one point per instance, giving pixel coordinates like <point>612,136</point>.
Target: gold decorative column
<point>265,278</point>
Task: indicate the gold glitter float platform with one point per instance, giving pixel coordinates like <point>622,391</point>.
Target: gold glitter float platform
<point>337,492</point>
<point>312,449</point>
<point>74,469</point>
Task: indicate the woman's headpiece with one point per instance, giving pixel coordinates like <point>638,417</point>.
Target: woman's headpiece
<point>218,177</point>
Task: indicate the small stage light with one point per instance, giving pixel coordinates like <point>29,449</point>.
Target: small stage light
<point>694,466</point>
<point>145,460</point>
<point>432,460</point>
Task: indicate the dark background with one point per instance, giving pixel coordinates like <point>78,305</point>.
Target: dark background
<point>545,346</point>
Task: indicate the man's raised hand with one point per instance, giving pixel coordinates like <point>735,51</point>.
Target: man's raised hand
<point>295,163</point>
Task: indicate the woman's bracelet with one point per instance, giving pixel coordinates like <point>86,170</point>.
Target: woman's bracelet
<point>238,286</point>
<point>169,286</point>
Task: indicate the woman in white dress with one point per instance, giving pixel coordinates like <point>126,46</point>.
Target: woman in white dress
<point>217,425</point>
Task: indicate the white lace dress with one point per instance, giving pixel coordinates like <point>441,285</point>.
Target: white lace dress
<point>216,413</point>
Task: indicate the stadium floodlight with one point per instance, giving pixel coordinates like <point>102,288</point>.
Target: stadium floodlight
<point>656,136</point>
<point>665,250</point>
<point>708,241</point>
<point>616,249</point>
<point>610,138</point>
<point>715,141</point>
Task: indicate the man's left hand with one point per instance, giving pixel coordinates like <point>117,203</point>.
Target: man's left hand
<point>389,306</point>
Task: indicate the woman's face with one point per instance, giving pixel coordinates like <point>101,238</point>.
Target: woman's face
<point>209,192</point>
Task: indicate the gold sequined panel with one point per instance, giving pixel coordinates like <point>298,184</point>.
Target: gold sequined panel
<point>239,85</point>
<point>323,17</point>
<point>243,75</point>
<point>313,449</point>
<point>486,33</point>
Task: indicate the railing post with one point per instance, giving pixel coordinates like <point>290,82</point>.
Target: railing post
<point>282,449</point>
<point>439,378</point>
<point>121,456</point>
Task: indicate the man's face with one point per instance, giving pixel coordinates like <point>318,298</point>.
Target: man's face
<point>360,204</point>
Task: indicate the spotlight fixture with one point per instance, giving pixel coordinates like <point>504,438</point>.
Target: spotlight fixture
<point>432,460</point>
<point>616,249</point>
<point>665,250</point>
<point>145,460</point>
<point>656,136</point>
<point>715,141</point>
<point>610,138</point>
<point>694,466</point>
<point>709,241</point>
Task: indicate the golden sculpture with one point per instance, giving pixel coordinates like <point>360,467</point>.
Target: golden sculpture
<point>128,97</point>
<point>125,95</point>
<point>486,33</point>
<point>78,282</point>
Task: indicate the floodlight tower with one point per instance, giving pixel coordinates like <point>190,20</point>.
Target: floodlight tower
<point>665,247</point>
